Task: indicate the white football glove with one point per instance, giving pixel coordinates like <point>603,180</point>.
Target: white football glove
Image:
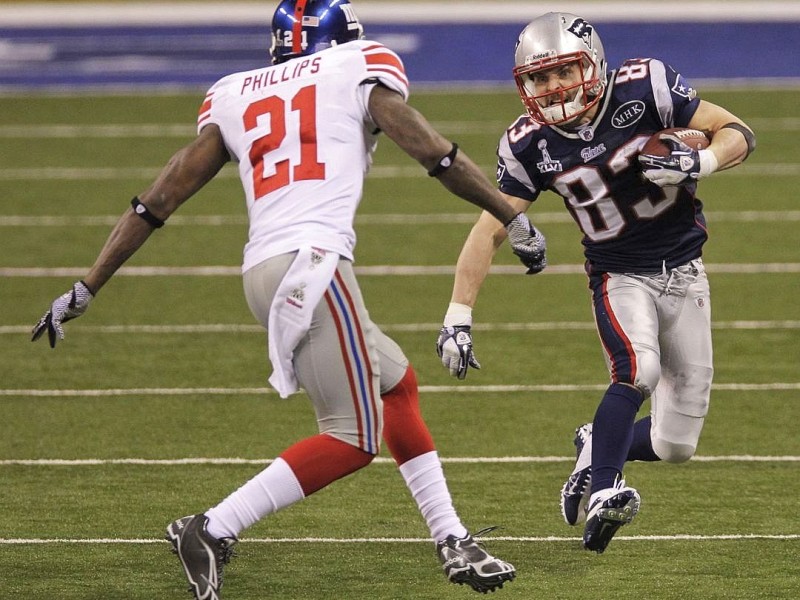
<point>454,345</point>
<point>681,167</point>
<point>67,306</point>
<point>528,243</point>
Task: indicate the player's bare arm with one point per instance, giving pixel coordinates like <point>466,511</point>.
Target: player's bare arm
<point>189,169</point>
<point>454,345</point>
<point>414,134</point>
<point>475,258</point>
<point>729,144</point>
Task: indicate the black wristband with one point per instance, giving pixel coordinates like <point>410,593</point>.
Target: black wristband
<point>445,162</point>
<point>748,136</point>
<point>142,211</point>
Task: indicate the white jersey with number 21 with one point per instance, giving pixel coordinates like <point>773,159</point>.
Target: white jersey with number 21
<point>291,128</point>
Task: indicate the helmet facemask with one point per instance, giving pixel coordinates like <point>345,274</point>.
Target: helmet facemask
<point>566,103</point>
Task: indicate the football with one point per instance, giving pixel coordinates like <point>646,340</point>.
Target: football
<point>694,138</point>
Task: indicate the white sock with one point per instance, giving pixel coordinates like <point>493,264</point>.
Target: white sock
<point>274,488</point>
<point>425,479</point>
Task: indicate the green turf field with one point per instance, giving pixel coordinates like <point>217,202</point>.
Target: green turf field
<point>167,365</point>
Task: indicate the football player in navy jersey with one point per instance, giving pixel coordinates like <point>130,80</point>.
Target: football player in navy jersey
<point>643,233</point>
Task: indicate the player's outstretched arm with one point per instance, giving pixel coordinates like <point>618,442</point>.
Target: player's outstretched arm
<point>187,171</point>
<point>410,130</point>
<point>454,345</point>
<point>415,135</point>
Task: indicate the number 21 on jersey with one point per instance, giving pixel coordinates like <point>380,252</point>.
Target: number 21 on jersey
<point>274,108</point>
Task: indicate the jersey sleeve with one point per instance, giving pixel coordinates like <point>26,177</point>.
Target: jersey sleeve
<point>512,178</point>
<point>385,67</point>
<point>204,112</point>
<point>677,101</point>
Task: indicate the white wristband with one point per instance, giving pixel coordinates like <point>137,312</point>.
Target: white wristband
<point>708,162</point>
<point>458,314</point>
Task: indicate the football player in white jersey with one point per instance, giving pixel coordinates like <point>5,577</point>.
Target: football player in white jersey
<point>303,132</point>
<point>644,231</point>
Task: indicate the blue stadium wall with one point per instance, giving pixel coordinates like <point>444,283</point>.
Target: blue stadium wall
<point>83,55</point>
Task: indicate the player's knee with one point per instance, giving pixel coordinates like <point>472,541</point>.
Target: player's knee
<point>692,391</point>
<point>648,372</point>
<point>673,452</point>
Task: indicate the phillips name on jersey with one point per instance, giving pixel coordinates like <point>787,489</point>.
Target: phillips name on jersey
<point>629,224</point>
<point>306,169</point>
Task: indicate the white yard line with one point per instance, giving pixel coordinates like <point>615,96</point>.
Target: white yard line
<point>389,328</point>
<point>89,462</point>
<point>374,270</point>
<point>425,389</point>
<point>387,540</point>
<point>738,216</point>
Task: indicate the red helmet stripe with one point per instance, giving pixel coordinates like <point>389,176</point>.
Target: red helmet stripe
<point>297,27</point>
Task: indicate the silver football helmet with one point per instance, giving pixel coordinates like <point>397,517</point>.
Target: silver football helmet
<point>560,68</point>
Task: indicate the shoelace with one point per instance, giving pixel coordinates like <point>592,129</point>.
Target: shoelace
<point>484,531</point>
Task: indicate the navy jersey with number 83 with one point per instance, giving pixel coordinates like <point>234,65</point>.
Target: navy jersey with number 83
<point>630,225</point>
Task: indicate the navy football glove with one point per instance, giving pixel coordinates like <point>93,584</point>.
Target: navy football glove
<point>67,306</point>
<point>682,166</point>
<point>528,243</point>
<point>454,347</point>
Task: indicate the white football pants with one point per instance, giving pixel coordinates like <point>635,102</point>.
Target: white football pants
<point>656,335</point>
<point>345,361</point>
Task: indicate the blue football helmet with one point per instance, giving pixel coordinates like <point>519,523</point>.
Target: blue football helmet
<point>303,27</point>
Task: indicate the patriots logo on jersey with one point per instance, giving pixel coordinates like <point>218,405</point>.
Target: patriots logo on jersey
<point>580,28</point>
<point>501,169</point>
<point>681,88</point>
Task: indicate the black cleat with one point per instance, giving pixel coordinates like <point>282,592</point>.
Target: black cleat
<point>201,555</point>
<point>611,510</point>
<point>576,489</point>
<point>465,561</point>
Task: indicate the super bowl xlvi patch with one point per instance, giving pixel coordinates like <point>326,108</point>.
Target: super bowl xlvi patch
<point>297,296</point>
<point>547,164</point>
